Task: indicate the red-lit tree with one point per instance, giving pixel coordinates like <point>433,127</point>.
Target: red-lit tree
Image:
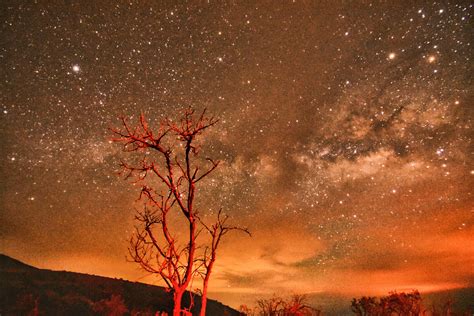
<point>296,306</point>
<point>169,154</point>
<point>216,231</point>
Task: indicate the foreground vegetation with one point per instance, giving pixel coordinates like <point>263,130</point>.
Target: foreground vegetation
<point>26,290</point>
<point>402,304</point>
<point>394,304</point>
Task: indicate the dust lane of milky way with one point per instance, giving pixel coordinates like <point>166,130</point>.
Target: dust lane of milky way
<point>345,131</point>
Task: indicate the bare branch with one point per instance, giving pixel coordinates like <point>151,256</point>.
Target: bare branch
<point>215,164</point>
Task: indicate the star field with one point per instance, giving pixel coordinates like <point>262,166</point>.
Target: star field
<point>345,133</point>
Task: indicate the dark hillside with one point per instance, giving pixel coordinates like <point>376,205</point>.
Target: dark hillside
<point>25,289</point>
<point>12,265</point>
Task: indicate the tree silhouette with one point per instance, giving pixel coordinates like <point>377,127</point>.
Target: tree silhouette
<point>403,303</point>
<point>170,155</point>
<point>296,306</point>
<point>276,306</point>
<point>270,307</point>
<point>365,306</point>
<point>406,304</point>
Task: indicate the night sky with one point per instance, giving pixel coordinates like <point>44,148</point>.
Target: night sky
<point>345,133</point>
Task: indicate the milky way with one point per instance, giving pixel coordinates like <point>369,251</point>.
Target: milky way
<point>345,132</point>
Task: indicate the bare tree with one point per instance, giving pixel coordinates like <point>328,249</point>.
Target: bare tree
<point>176,165</point>
<point>295,306</point>
<point>245,310</point>
<point>270,307</point>
<point>217,231</point>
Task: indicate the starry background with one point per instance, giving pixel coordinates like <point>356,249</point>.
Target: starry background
<point>345,131</point>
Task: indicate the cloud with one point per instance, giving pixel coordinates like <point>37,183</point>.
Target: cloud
<point>254,279</point>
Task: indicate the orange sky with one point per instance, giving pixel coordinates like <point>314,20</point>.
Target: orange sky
<point>345,135</point>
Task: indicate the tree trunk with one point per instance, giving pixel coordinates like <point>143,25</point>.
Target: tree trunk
<point>204,287</point>
<point>203,300</point>
<point>177,296</point>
